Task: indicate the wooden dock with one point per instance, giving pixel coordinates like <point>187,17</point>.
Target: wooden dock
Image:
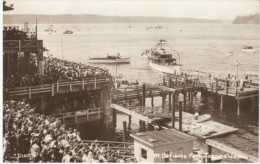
<point>219,129</point>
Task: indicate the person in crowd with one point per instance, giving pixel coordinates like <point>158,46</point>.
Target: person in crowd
<point>56,70</point>
<point>39,138</point>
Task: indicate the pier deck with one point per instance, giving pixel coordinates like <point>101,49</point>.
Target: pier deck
<point>219,129</point>
<point>141,113</point>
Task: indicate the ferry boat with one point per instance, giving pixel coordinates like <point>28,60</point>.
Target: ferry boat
<point>248,49</point>
<point>68,32</point>
<point>117,59</point>
<point>161,60</point>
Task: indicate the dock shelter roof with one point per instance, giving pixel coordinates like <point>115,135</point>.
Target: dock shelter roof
<point>162,137</point>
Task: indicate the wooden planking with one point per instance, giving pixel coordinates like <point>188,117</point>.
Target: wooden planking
<point>131,113</point>
<point>220,129</point>
<point>231,150</point>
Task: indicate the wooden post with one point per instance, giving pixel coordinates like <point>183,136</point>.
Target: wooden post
<point>221,105</point>
<point>95,83</point>
<point>143,125</point>
<point>216,86</point>
<point>57,85</point>
<point>140,126</point>
<point>150,127</point>
<point>129,122</point>
<point>83,84</point>
<point>143,100</point>
<point>211,87</point>
<point>180,116</point>
<point>52,89</point>
<point>30,92</point>
<point>170,101</point>
<point>209,148</point>
<point>238,109</point>
<point>124,131</point>
<point>191,101</point>
<point>152,101</point>
<point>189,96</point>
<point>70,87</point>
<point>226,86</point>
<point>173,109</point>
<point>163,101</point>
<point>184,101</point>
<point>99,114</point>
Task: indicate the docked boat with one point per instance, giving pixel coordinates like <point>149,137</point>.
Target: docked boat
<point>248,49</point>
<point>68,32</point>
<point>110,60</point>
<point>163,61</point>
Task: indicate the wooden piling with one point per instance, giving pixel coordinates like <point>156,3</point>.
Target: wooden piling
<point>170,101</point>
<point>129,122</point>
<point>180,116</point>
<point>221,105</point>
<point>143,126</point>
<point>226,86</point>
<point>124,131</point>
<point>238,109</point>
<point>152,101</point>
<point>209,149</point>
<point>150,127</point>
<point>143,98</point>
<point>184,101</point>
<point>140,126</point>
<point>191,101</point>
<point>173,109</point>
<point>163,101</point>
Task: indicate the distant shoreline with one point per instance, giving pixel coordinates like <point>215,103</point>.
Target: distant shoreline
<point>86,18</point>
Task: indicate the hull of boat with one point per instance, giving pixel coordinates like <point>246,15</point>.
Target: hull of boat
<point>248,50</point>
<point>110,61</point>
<point>166,69</point>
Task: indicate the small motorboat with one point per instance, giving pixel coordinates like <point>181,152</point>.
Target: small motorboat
<point>68,32</point>
<point>109,60</point>
<point>248,49</point>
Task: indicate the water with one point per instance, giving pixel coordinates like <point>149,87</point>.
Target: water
<point>201,46</point>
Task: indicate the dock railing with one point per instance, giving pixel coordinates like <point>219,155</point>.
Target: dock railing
<point>80,116</point>
<point>59,86</point>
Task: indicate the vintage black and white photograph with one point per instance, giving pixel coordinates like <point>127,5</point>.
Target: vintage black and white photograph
<point>130,81</point>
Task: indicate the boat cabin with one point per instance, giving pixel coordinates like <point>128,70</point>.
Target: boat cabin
<point>162,58</point>
<point>167,145</point>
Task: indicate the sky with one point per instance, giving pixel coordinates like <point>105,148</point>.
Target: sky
<point>208,9</point>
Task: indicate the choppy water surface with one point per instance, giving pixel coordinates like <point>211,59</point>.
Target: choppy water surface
<point>201,46</point>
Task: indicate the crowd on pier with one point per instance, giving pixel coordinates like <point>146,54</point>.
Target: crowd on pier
<point>14,33</point>
<point>32,137</point>
<point>56,70</point>
<point>199,76</point>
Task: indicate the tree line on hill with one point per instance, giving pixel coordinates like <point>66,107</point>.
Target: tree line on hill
<point>87,18</point>
<point>247,19</point>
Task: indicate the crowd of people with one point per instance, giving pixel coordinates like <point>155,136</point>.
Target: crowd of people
<point>14,33</point>
<point>56,70</point>
<point>32,137</point>
<point>232,80</point>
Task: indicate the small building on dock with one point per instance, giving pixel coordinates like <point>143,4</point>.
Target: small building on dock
<point>168,145</point>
